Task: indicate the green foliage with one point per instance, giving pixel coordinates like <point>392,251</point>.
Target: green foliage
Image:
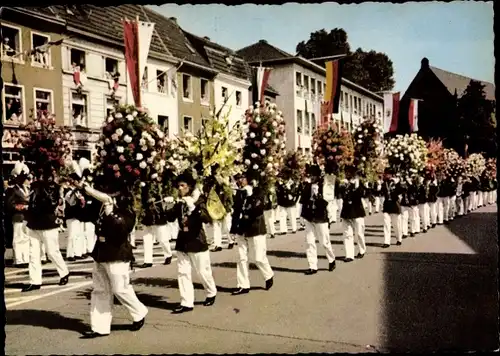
<point>370,69</point>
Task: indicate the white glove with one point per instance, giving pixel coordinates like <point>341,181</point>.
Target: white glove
<point>315,189</point>
<point>190,203</point>
<point>108,209</point>
<point>168,199</point>
<point>249,190</point>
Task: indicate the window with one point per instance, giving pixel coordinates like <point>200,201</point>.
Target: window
<point>306,83</point>
<point>77,58</point>
<point>324,87</point>
<point>11,41</point>
<point>163,123</point>
<point>110,106</point>
<point>188,123</point>
<point>359,105</point>
<point>43,102</point>
<point>42,56</point>
<point>313,123</point>
<point>161,82</point>
<point>298,79</point>
<point>299,121</point>
<point>267,100</point>
<point>13,104</point>
<point>350,101</point>
<point>313,86</point>
<point>307,150</point>
<point>205,92</point>
<point>145,81</point>
<point>110,67</point>
<point>79,108</point>
<point>224,93</point>
<point>307,124</point>
<point>238,98</point>
<point>320,89</point>
<point>346,100</point>
<point>186,87</point>
<point>355,104</point>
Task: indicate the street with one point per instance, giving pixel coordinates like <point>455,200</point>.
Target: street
<point>438,291</point>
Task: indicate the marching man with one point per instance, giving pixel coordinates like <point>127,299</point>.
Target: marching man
<point>414,212</point>
<point>378,195</point>
<point>433,199</point>
<point>315,214</point>
<point>287,194</point>
<point>459,197</point>
<point>391,190</point>
<point>329,195</point>
<point>250,229</point>
<point>73,213</point>
<point>90,211</point>
<point>353,215</point>
<point>443,202</point>
<point>270,209</point>
<point>452,197</point>
<point>423,205</point>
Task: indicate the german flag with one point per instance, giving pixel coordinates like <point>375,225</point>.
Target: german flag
<point>333,82</point>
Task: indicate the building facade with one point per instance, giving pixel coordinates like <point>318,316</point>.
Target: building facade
<point>301,85</point>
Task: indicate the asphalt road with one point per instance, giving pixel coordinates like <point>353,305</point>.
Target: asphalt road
<point>438,291</point>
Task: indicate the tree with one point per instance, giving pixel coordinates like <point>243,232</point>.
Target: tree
<point>372,70</point>
<point>476,120</point>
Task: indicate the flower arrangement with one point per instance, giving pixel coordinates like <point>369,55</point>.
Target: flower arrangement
<point>333,149</point>
<point>435,157</point>
<point>475,165</point>
<point>491,169</point>
<point>131,147</point>
<point>452,165</point>
<point>406,155</point>
<point>46,146</point>
<point>264,144</point>
<point>294,165</point>
<point>367,140</point>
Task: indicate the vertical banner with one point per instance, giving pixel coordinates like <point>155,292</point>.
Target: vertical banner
<point>413,115</point>
<point>333,84</point>
<point>145,30</point>
<point>391,107</point>
<point>262,80</point>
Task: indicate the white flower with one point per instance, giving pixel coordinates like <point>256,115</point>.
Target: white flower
<point>257,119</point>
<point>103,153</point>
<point>262,173</point>
<point>139,156</point>
<point>263,152</point>
<point>253,155</point>
<point>363,158</point>
<point>120,149</point>
<point>276,141</point>
<point>143,165</point>
<point>264,140</point>
<point>118,115</point>
<point>116,167</point>
<point>150,159</point>
<point>162,163</point>
<point>270,159</point>
<point>268,134</point>
<point>107,141</point>
<point>110,119</point>
<point>247,162</point>
<point>127,139</point>
<point>119,132</point>
<point>154,176</point>
<point>144,148</point>
<point>276,165</point>
<point>275,124</point>
<point>283,145</point>
<point>130,117</point>
<point>202,141</point>
<point>143,184</point>
<point>360,141</point>
<point>255,166</point>
<point>252,135</point>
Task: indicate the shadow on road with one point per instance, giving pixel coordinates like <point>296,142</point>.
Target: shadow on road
<point>445,302</point>
<point>46,319</point>
<point>171,283</point>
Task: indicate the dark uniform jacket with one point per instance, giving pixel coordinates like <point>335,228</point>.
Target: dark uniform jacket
<point>314,209</point>
<point>9,227</point>
<point>191,237</point>
<point>352,207</point>
<point>444,189</point>
<point>17,202</point>
<point>422,193</point>
<point>248,214</point>
<point>452,188</point>
<point>391,192</point>
<point>91,209</point>
<point>409,196</point>
<point>75,211</point>
<point>433,193</point>
<point>287,197</point>
<point>339,189</point>
<point>115,228</point>
<point>467,188</point>
<point>43,203</point>
<point>377,189</point>
<point>154,212</point>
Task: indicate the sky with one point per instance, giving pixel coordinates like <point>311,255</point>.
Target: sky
<point>456,36</point>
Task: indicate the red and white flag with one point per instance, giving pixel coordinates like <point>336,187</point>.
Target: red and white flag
<point>413,115</point>
<point>137,37</point>
<point>391,107</point>
<point>262,80</point>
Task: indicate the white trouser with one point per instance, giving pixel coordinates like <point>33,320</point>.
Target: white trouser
<point>481,198</point>
<point>378,204</point>
<point>50,239</point>
<point>433,210</point>
<point>414,219</point>
<point>276,215</point>
<point>214,233</point>
<point>200,261</point>
<point>453,206</point>
<point>332,211</point>
<point>460,206</point>
<point>367,205</point>
<point>405,216</point>
<point>90,238</point>
<point>258,244</point>
<point>425,218</point>
<point>132,237</point>
<point>43,253</point>
<point>474,200</point>
<point>340,203</point>
<point>354,227</point>
<point>75,235</point>
<point>226,227</point>
<point>162,236</point>
<point>173,230</point>
<point>112,278</point>
<point>21,243</point>
<point>270,220</point>
<point>395,219</point>
<point>440,210</point>
<point>291,213</point>
<point>322,234</point>
<point>446,208</point>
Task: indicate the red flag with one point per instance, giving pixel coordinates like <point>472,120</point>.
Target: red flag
<point>413,115</point>
<point>131,40</point>
<point>333,83</point>
<point>262,80</point>
<point>391,106</point>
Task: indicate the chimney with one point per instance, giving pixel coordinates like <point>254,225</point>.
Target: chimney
<point>424,63</point>
<point>262,41</point>
<point>207,38</point>
<point>173,19</point>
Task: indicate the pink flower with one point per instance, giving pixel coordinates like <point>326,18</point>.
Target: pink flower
<point>117,174</point>
<point>122,158</point>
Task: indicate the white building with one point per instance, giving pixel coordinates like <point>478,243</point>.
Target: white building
<point>301,85</point>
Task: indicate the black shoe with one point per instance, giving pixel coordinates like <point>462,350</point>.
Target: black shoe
<point>79,258</point>
<point>182,309</point>
<point>332,266</point>
<point>168,260</point>
<point>269,283</point>
<point>70,259</point>
<point>412,234</point>
<point>348,260</point>
<point>272,236</point>
<point>31,287</point>
<point>405,236</point>
<point>92,335</point>
<point>433,226</point>
<point>425,230</point>
<point>294,232</point>
<point>209,301</point>
<point>311,271</point>
<point>64,280</point>
<point>22,265</point>
<point>399,243</point>
<point>386,246</point>
<point>360,255</point>
<point>146,265</point>
<point>241,291</point>
<point>282,233</point>
<point>134,247</point>
<point>230,246</point>
<point>302,228</point>
<point>137,325</point>
<point>156,243</point>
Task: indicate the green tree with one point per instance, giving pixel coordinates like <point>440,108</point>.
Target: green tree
<point>476,120</point>
<point>372,70</point>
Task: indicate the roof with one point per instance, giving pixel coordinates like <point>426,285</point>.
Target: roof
<point>168,39</point>
<point>216,55</point>
<point>453,81</point>
<point>261,51</point>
